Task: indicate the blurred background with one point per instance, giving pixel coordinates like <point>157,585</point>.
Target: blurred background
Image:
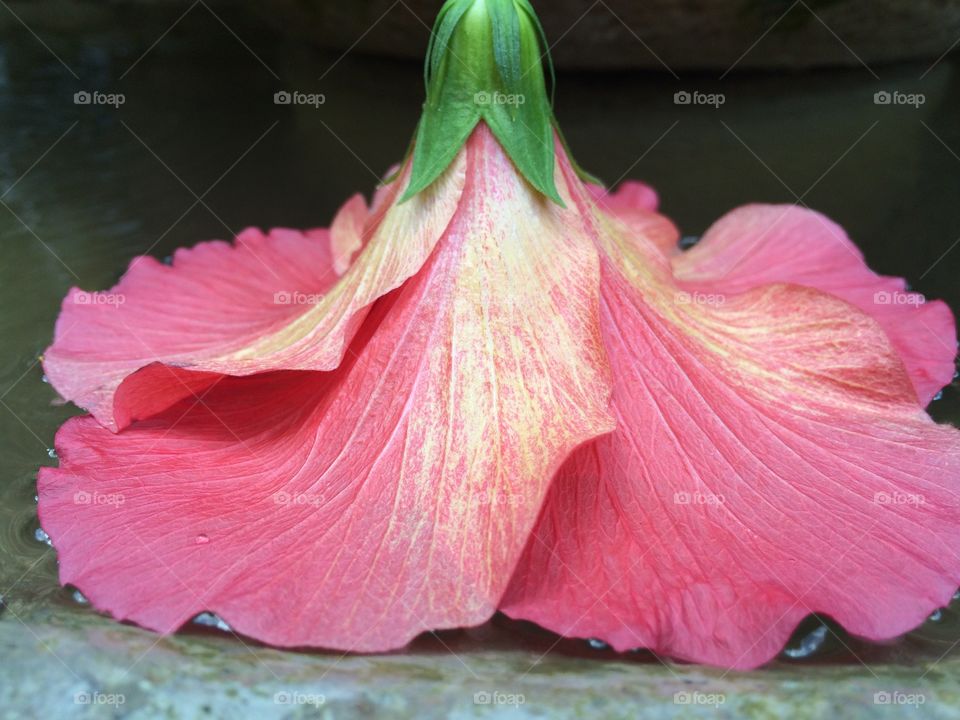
<point>138,126</point>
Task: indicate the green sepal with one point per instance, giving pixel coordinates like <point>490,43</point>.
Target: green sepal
<point>506,42</point>
<point>443,130</point>
<point>485,63</point>
<point>447,20</point>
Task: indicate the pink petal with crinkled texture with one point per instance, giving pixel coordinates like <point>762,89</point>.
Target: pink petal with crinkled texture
<point>770,461</point>
<point>266,302</point>
<point>635,205</point>
<point>357,508</point>
<point>759,244</point>
<point>347,232</point>
<point>630,196</point>
<point>214,297</point>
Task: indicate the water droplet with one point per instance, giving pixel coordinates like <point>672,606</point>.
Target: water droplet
<point>201,539</point>
<point>597,644</point>
<point>42,536</point>
<point>210,620</point>
<point>956,595</point>
<point>45,379</point>
<point>52,453</point>
<point>809,644</point>
<point>688,242</point>
<point>935,616</point>
<point>938,396</point>
<point>168,260</point>
<point>79,598</point>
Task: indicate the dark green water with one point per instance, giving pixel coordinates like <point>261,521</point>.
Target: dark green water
<point>199,150</point>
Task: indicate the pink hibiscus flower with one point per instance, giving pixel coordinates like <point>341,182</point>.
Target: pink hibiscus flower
<point>501,387</point>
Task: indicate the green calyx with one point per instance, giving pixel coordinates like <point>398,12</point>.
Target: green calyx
<point>485,62</point>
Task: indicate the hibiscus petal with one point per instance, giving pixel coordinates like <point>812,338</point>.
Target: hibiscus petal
<point>357,508</point>
<point>635,204</point>
<point>630,196</point>
<point>268,302</point>
<point>348,232</point>
<point>355,222</point>
<point>770,461</point>
<point>213,297</point>
<point>760,244</point>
